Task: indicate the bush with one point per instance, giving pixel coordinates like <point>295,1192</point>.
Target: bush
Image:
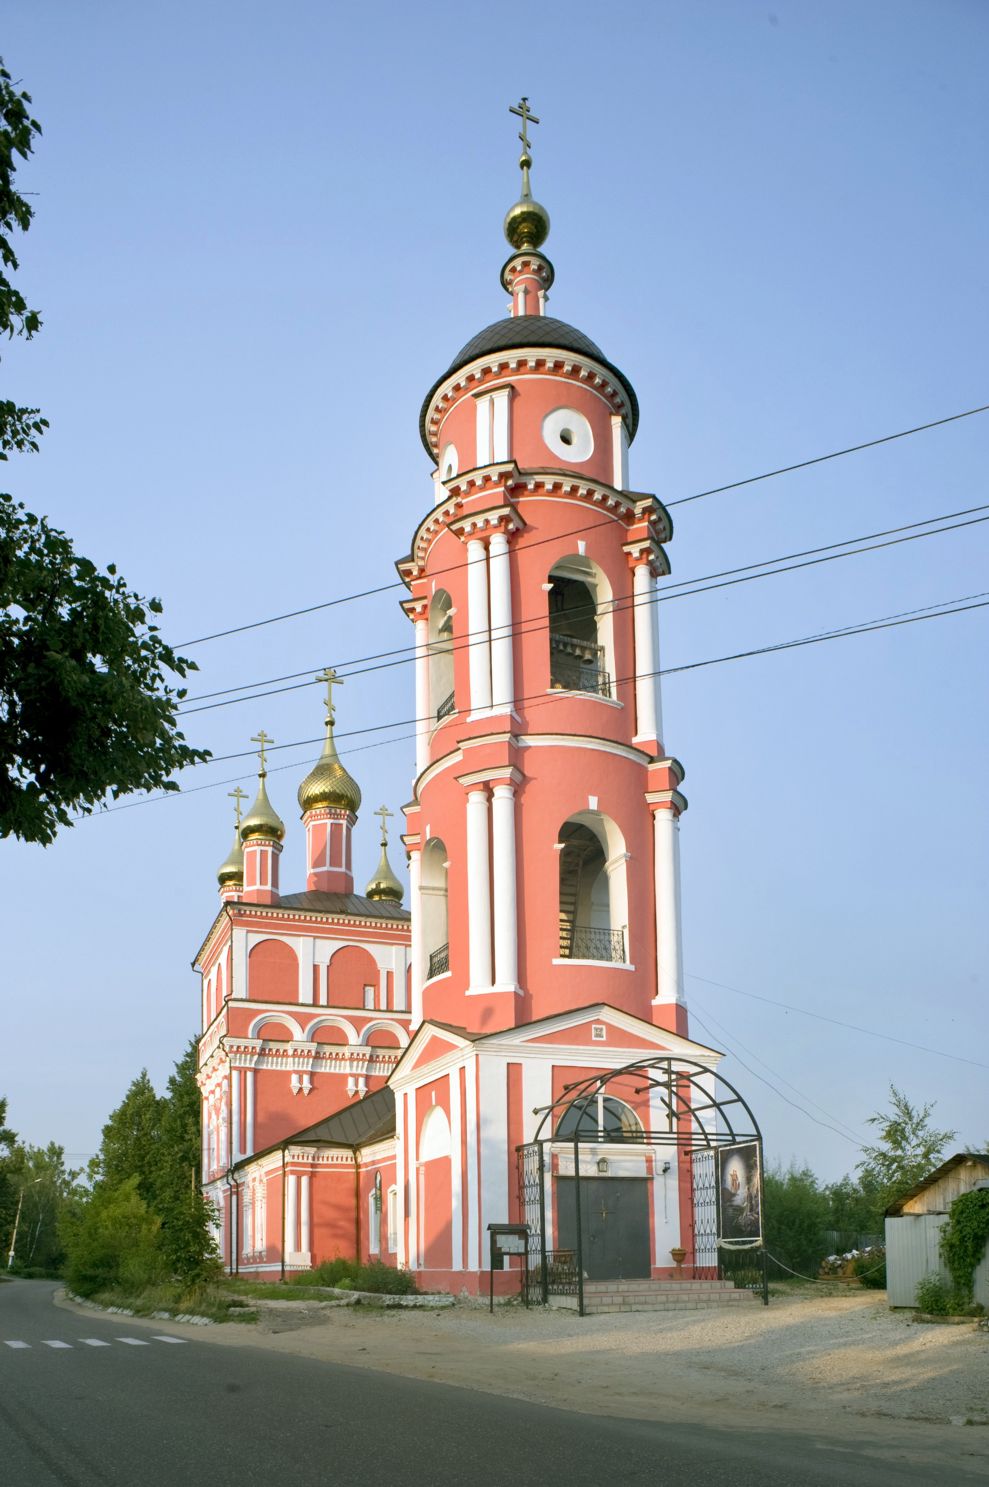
<point>376,1276</point>
<point>870,1268</point>
<point>936,1299</point>
<point>112,1243</point>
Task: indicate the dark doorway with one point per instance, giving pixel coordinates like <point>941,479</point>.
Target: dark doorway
<point>615,1214</point>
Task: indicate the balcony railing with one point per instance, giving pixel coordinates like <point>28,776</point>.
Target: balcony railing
<point>583,942</point>
<point>439,962</point>
<point>578,665</point>
<point>445,708</point>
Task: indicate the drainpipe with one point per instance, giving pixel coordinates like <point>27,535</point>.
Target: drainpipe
<point>357,1205</point>
<point>284,1144</point>
<point>233,1188</point>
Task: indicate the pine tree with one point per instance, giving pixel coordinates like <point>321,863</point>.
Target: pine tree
<point>185,1214</point>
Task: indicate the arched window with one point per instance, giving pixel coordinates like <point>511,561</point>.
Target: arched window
<point>441,655</point>
<point>600,1118</point>
<point>593,905</point>
<point>433,893</point>
<point>581,649</point>
<point>434,1137</point>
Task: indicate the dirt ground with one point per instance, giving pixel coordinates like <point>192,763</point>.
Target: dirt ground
<point>845,1365</point>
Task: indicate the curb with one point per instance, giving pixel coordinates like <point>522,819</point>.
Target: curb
<point>127,1311</point>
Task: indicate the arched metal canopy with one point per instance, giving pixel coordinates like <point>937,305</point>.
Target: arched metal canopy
<point>687,1089</point>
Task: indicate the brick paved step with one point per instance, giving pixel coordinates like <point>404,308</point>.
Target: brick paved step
<point>594,1305</point>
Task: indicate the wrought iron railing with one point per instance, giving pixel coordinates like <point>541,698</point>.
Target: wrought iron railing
<point>445,708</point>
<point>578,665</point>
<point>583,942</point>
<point>439,962</point>
<point>561,1272</point>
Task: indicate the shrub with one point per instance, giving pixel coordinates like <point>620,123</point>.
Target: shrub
<point>331,1273</point>
<point>964,1238</point>
<point>113,1243</point>
<point>870,1268</point>
<point>385,1280</point>
<point>936,1299</point>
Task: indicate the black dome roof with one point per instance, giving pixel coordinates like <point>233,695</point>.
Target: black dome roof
<point>516,331</point>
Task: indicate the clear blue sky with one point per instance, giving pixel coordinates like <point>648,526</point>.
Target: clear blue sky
<point>261,234</point>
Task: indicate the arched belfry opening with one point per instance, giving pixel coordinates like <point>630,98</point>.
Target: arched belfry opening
<point>580,631</point>
<point>441,691</point>
<point>435,909</point>
<point>593,902</point>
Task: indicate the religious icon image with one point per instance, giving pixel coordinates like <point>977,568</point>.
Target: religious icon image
<point>741,1209</point>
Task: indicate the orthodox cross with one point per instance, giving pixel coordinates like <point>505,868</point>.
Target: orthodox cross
<point>238,797</point>
<point>521,109</point>
<point>329,676</point>
<point>262,740</point>
<point>384,813</point>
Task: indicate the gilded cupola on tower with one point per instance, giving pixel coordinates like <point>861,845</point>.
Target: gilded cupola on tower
<point>262,822</point>
<point>384,885</point>
<point>328,785</point>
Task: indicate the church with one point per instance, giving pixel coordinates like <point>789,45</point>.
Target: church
<point>388,1082</point>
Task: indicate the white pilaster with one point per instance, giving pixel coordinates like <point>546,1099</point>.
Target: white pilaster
<point>478,891</point>
<point>235,1151</point>
<point>249,1111</point>
<point>502,649</point>
<point>478,627</point>
<point>304,1211</point>
<point>471,1196</point>
<point>401,1154</point>
<point>505,912</point>
<point>415,904</point>
<point>456,1174</point>
<point>619,446</point>
<point>646,663</point>
<point>291,1215</point>
<point>666,839</point>
<point>413,1187</point>
<point>424,718</point>
<point>501,427</point>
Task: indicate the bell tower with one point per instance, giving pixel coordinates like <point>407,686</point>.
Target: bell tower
<point>543,831</point>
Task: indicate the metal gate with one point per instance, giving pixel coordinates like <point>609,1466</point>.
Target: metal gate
<point>705,1179</point>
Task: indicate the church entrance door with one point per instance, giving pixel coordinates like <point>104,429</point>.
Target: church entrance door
<point>615,1221</point>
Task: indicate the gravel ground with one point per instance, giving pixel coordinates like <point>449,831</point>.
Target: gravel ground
<point>845,1354</point>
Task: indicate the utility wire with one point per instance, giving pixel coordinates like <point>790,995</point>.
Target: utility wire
<point>715,490</point>
<point>541,699</point>
<point>837,1022</point>
<point>785,1098</point>
<point>736,1042</point>
<point>405,655</point>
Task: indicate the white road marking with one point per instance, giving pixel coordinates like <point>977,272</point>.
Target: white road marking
<point>134,1342</point>
<point>57,1344</point>
<point>16,1344</point>
<point>163,1338</point>
<point>94,1342</point>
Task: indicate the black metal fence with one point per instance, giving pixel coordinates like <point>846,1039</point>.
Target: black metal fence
<point>578,666</point>
<point>584,942</point>
<point>439,962</point>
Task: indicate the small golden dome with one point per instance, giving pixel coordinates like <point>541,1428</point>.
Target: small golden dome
<point>527,224</point>
<point>231,871</point>
<point>262,820</point>
<point>328,785</point>
<point>384,884</point>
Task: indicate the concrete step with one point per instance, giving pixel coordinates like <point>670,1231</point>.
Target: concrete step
<point>688,1287</point>
<point>596,1305</point>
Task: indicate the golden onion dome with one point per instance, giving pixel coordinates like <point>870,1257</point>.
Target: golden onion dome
<point>384,884</point>
<point>262,820</point>
<point>328,786</point>
<point>231,871</point>
<point>527,224</point>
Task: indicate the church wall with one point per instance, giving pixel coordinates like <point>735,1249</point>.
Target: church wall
<point>350,970</point>
<point>370,1166</point>
<point>273,972</point>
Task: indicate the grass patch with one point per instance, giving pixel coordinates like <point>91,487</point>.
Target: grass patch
<point>199,1301</point>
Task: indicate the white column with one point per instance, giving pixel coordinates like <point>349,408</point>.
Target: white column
<point>666,836</point>
<point>249,1124</point>
<point>456,1173</point>
<point>304,1208</point>
<point>502,650</point>
<point>415,949</point>
<point>478,890</point>
<point>503,858</point>
<point>619,456</point>
<point>424,718</point>
<point>235,1151</point>
<point>246,1220</point>
<point>291,1215</point>
<point>478,627</point>
<point>643,596</point>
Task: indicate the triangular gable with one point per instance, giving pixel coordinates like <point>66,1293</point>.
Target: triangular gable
<point>430,1042</point>
<point>622,1030</point>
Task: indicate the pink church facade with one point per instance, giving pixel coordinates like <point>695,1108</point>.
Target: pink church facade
<point>371,1074</point>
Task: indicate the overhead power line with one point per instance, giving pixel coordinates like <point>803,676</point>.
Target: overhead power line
<point>929,612</point>
<point>385,588</point>
<point>869,1032</point>
<point>405,655</point>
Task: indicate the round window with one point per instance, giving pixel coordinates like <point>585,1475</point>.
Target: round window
<point>568,435</point>
<point>449,462</point>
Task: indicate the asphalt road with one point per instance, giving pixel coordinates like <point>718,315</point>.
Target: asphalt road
<point>97,1399</point>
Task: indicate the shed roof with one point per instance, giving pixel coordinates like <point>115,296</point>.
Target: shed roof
<point>372,1119</point>
<point>933,1178</point>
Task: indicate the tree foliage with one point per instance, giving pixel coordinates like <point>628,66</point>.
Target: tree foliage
<point>35,1180</point>
<point>86,709</point>
<point>797,1216</point>
<point>146,1178</point>
<point>907,1149</point>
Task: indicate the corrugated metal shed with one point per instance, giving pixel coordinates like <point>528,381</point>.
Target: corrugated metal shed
<point>914,1223</point>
